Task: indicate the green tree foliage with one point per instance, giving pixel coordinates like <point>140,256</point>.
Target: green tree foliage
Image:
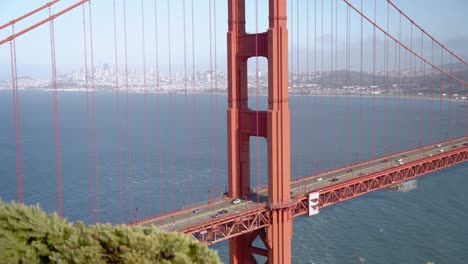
<point>29,235</point>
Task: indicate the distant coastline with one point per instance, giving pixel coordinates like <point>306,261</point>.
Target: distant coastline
<point>434,97</point>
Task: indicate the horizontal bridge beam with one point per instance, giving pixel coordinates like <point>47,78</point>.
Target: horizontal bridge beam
<point>258,217</point>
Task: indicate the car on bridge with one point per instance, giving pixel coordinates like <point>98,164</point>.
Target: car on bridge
<point>196,211</point>
<point>236,201</point>
<point>220,213</point>
<point>335,179</point>
<point>319,179</point>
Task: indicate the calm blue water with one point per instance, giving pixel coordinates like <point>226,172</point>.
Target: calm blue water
<point>426,224</point>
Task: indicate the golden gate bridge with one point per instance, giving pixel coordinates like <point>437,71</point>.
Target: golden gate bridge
<point>315,51</point>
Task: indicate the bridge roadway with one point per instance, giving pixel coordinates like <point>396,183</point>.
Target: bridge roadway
<point>183,219</point>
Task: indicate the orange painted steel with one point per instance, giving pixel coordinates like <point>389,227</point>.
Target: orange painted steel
<point>356,187</point>
<point>279,233</point>
<point>14,21</point>
<point>427,33</point>
<point>388,156</point>
<point>440,69</point>
<point>253,220</point>
<point>231,226</point>
<point>50,18</point>
<point>272,124</point>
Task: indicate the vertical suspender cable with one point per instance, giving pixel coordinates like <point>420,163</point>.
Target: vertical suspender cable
<point>17,123</point>
<point>431,115</point>
<point>361,84</point>
<point>14,82</point>
<point>291,82</point>
<point>309,107</point>
<point>315,79</point>
<point>96,175</point>
<point>58,164</point>
<point>145,103</point>
<point>291,79</point>
<point>336,84</point>
<point>398,110</point>
<point>211,103</point>
<point>16,116</point>
<point>404,92</point>
<point>441,137</point>
<point>405,86</point>
<point>117,110</point>
<point>460,131</point>
<point>187,165</point>
<point>423,70</point>
<point>88,122</point>
<point>171,114</point>
<point>195,150</point>
<point>332,117</point>
<point>449,123</point>
<point>410,81</point>
<point>414,84</point>
<point>298,106</point>
<point>291,50</point>
<point>385,130</point>
<point>217,176</point>
<point>257,102</point>
<point>395,100</point>
<point>158,109</point>
<point>323,91</point>
<point>347,114</point>
<point>127,106</point>
<point>395,96</point>
<point>374,124</point>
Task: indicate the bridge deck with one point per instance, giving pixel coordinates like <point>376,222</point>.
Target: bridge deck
<point>252,212</point>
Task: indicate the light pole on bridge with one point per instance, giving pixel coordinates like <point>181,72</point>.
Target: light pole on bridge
<point>390,151</point>
<point>209,196</point>
<point>315,167</point>
<point>136,214</point>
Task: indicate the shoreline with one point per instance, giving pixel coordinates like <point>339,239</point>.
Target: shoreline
<point>224,93</point>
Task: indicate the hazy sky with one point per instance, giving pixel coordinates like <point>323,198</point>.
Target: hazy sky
<point>446,20</point>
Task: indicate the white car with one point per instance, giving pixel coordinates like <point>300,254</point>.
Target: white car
<point>319,179</point>
<point>236,201</point>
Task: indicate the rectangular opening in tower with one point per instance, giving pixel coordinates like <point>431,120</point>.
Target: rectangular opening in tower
<point>257,83</point>
<point>256,16</point>
<point>258,165</point>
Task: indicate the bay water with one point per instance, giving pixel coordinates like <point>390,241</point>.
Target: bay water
<point>185,140</point>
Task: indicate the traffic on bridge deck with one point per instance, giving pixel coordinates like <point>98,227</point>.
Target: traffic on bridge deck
<point>193,220</point>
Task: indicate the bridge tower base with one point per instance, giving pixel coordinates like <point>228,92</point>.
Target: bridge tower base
<point>272,124</point>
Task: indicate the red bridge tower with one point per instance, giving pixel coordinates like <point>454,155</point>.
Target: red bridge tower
<point>272,124</point>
